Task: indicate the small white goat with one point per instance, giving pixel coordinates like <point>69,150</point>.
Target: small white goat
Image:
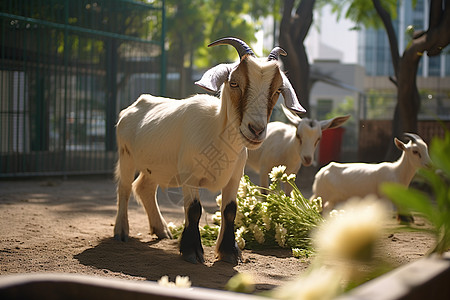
<point>290,145</point>
<point>200,142</point>
<point>338,182</point>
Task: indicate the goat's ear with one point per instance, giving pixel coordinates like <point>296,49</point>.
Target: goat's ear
<point>400,145</point>
<point>334,123</point>
<point>215,77</point>
<point>293,118</point>
<point>290,98</point>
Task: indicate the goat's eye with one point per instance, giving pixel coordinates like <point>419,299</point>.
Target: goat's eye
<point>234,84</point>
<point>415,152</point>
<point>299,139</point>
<point>278,91</point>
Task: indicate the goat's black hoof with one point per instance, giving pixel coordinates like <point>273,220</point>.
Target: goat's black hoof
<point>121,237</point>
<point>194,257</point>
<point>234,257</point>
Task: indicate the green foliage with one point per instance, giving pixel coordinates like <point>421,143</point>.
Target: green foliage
<point>363,12</point>
<point>275,219</point>
<point>192,24</point>
<point>269,220</point>
<point>436,209</point>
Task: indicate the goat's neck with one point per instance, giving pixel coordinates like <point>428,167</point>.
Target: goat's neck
<point>405,170</point>
<point>228,127</point>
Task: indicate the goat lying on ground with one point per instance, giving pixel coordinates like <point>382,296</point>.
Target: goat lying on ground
<point>337,182</point>
<point>199,142</point>
<point>290,145</point>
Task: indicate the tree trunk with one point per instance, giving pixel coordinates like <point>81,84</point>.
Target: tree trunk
<point>436,38</point>
<point>293,31</point>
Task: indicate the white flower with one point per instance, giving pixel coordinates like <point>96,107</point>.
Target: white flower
<point>280,234</point>
<point>277,173</point>
<point>217,217</point>
<point>243,187</point>
<point>257,233</point>
<point>319,284</point>
<point>266,216</point>
<point>317,204</point>
<point>238,221</point>
<point>239,237</point>
<point>336,213</point>
<point>180,282</point>
<point>219,200</point>
<point>164,281</point>
<point>171,226</point>
<point>352,233</point>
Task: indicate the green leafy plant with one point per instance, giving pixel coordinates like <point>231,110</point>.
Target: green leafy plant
<point>274,219</point>
<point>435,208</point>
<point>269,219</point>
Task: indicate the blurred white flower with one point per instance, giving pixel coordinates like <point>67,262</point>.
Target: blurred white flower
<point>351,233</point>
<point>171,226</point>
<point>243,187</point>
<point>277,173</point>
<point>240,237</point>
<point>317,204</point>
<point>238,221</point>
<point>219,200</point>
<point>257,233</point>
<point>280,234</point>
<point>180,282</point>
<point>319,284</point>
<point>216,217</point>
<point>266,215</point>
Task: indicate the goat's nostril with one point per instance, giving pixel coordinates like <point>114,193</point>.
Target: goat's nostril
<point>256,130</point>
<point>307,160</point>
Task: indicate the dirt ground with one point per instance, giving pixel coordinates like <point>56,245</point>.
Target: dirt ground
<point>55,225</point>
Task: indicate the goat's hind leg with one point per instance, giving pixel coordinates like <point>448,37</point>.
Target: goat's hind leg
<point>145,192</point>
<point>124,176</point>
<point>191,245</point>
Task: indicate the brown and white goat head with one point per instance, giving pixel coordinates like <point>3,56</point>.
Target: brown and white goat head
<point>251,88</point>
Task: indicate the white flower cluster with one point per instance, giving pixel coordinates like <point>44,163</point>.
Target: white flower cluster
<point>257,233</point>
<point>240,237</point>
<point>280,234</point>
<point>180,282</point>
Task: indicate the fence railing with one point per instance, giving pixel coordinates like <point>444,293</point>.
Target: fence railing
<point>66,68</point>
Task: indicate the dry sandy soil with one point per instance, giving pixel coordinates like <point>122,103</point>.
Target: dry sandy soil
<point>55,225</point>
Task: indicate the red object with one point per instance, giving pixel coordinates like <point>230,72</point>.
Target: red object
<point>330,145</point>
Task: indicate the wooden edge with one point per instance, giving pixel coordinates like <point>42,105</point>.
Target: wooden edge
<point>70,286</point>
<point>427,278</point>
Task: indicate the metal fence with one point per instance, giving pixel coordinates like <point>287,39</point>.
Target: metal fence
<point>66,68</point>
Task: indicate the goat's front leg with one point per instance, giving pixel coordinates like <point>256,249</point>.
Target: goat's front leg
<point>191,245</point>
<point>226,247</point>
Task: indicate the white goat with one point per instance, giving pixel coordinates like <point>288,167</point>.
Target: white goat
<point>290,145</point>
<point>337,182</point>
<point>199,142</point>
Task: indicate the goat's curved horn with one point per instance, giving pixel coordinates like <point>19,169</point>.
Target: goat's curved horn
<point>413,137</point>
<point>241,47</point>
<point>275,53</point>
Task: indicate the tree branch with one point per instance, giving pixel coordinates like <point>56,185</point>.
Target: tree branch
<point>392,37</point>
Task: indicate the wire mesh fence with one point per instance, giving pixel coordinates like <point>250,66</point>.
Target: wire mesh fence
<point>66,68</point>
